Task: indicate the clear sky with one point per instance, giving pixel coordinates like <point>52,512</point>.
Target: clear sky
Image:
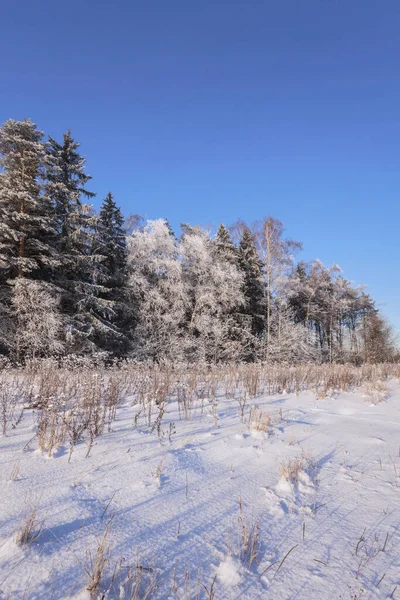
<point>206,111</point>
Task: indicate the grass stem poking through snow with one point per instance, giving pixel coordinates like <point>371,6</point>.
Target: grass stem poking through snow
<point>30,529</point>
<point>96,561</point>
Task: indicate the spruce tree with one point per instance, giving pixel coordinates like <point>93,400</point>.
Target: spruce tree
<point>66,181</point>
<point>170,230</point>
<point>27,224</point>
<point>253,287</point>
<point>28,234</point>
<point>109,243</point>
<point>225,247</point>
<point>239,331</point>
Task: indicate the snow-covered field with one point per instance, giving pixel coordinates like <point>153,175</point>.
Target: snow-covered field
<point>297,499</point>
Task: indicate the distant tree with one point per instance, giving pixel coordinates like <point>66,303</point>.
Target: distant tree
<point>331,309</point>
<point>288,341</point>
<point>225,247</point>
<point>215,297</point>
<point>171,231</point>
<point>311,297</point>
<point>253,284</point>
<point>276,254</point>
<point>379,342</point>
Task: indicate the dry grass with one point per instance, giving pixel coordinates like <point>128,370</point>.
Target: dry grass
<point>377,391</point>
<point>76,400</point>
<point>15,472</point>
<point>260,420</point>
<point>30,528</point>
<point>291,469</point>
<point>97,560</point>
<point>159,471</point>
<point>249,539</point>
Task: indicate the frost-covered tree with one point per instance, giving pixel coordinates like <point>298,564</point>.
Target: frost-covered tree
<point>232,296</point>
<point>27,225</point>
<point>87,313</point>
<point>6,321</point>
<point>331,309</point>
<point>311,299</point>
<point>214,287</point>
<point>66,185</point>
<point>225,247</point>
<point>379,342</point>
<point>276,254</point>
<point>38,321</point>
<point>288,340</point>
<point>155,275</point>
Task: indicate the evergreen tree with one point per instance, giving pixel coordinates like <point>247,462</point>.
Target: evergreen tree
<point>109,243</point>
<point>239,332</point>
<point>225,247</point>
<point>77,227</point>
<point>253,286</point>
<point>27,225</point>
<point>171,231</point>
<point>66,181</point>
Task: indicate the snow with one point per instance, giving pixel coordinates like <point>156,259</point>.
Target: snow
<point>229,572</point>
<point>326,532</point>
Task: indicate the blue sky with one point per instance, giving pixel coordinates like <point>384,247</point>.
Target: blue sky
<point>213,110</point>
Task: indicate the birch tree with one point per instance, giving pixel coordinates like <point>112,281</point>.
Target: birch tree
<point>276,254</point>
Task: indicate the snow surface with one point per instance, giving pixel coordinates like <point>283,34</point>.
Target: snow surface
<point>327,533</point>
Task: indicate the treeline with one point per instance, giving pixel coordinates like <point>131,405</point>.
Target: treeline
<point>75,282</point>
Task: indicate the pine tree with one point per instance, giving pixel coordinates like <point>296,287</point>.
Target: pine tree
<point>253,287</point>
<point>27,225</point>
